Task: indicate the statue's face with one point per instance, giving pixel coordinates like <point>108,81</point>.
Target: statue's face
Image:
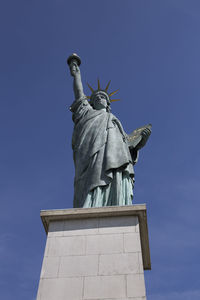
<point>100,101</point>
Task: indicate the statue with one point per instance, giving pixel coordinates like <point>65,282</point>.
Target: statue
<point>103,153</point>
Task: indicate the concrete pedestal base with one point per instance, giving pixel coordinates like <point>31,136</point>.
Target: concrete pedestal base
<point>95,253</point>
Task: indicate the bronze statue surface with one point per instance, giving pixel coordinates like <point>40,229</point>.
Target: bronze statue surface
<point>103,153</point>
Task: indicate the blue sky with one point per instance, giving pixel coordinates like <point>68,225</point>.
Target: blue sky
<point>151,51</point>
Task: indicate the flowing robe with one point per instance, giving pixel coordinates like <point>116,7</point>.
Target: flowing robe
<point>103,164</point>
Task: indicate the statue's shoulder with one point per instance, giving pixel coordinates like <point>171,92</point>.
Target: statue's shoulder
<point>80,102</point>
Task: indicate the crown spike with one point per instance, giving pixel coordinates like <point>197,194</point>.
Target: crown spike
<point>113,93</point>
<point>106,89</point>
<point>99,85</point>
<point>114,100</point>
<point>91,89</point>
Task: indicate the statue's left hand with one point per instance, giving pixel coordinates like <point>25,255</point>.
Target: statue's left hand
<point>145,135</point>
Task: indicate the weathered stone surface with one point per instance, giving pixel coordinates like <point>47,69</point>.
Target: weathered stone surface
<point>141,266</point>
<point>117,224</point>
<point>81,227</point>
<point>77,266</point>
<point>50,267</point>
<point>135,298</point>
<point>132,242</point>
<point>135,285</point>
<point>137,212</point>
<point>61,289</point>
<point>62,246</point>
<point>103,287</point>
<point>143,298</point>
<point>104,243</point>
<point>97,258</point>
<point>118,264</point>
<point>56,228</point>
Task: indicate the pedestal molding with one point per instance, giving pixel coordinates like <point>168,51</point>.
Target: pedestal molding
<point>138,210</point>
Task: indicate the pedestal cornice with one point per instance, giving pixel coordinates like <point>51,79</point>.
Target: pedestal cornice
<point>138,210</point>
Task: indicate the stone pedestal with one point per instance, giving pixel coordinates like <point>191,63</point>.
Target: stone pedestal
<point>95,253</point>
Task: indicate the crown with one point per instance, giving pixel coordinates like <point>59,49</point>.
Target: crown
<point>103,91</point>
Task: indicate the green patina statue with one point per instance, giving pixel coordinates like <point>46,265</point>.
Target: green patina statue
<point>104,154</point>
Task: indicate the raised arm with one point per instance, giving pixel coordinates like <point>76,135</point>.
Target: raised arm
<point>77,84</point>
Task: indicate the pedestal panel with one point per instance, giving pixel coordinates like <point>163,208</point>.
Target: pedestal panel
<point>96,253</point>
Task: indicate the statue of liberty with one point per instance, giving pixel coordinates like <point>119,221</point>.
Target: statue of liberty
<point>103,153</point>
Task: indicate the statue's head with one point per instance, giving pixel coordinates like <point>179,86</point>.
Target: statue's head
<point>100,99</point>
